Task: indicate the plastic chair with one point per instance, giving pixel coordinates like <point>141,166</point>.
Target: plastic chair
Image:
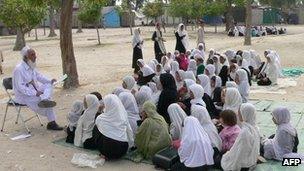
<point>8,87</point>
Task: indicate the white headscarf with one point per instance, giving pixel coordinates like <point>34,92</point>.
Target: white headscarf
<point>156,92</point>
<point>118,90</point>
<point>146,89</point>
<point>177,116</point>
<point>256,58</point>
<point>246,148</point>
<point>146,70</point>
<point>233,99</point>
<point>205,83</point>
<point>141,97</point>
<point>189,75</point>
<point>113,123</point>
<point>195,149</point>
<point>218,82</point>
<point>211,53</point>
<point>243,86</point>
<point>203,117</point>
<point>230,54</point>
<point>166,64</point>
<point>152,65</point>
<point>198,92</point>
<point>131,107</point>
<point>75,114</point>
<point>232,74</point>
<point>86,121</point>
<point>211,70</point>
<point>218,66</point>
<point>136,38</point>
<point>129,81</point>
<point>181,73</point>
<point>185,40</point>
<point>192,66</point>
<point>231,84</point>
<point>201,53</point>
<point>174,68</point>
<point>188,83</point>
<point>248,112</point>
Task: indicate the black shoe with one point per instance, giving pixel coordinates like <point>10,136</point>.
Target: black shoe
<point>53,126</point>
<point>46,104</point>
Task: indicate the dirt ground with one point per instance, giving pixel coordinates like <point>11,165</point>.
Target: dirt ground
<point>101,68</point>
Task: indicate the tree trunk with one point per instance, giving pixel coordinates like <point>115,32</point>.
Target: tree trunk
<point>52,22</point>
<point>66,45</point>
<point>44,27</point>
<point>98,36</point>
<point>229,16</point>
<point>36,35</point>
<point>79,30</point>
<point>248,23</point>
<point>20,41</point>
<point>215,28</point>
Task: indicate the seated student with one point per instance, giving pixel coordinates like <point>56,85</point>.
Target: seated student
<point>73,117</point>
<point>159,70</point>
<point>216,88</point>
<point>115,135</point>
<point>152,135</point>
<point>165,64</point>
<point>233,68</point>
<point>230,131</point>
<point>271,73</point>
<point>241,80</point>
<point>145,74</point>
<point>210,70</point>
<point>152,64</point>
<point>203,117</point>
<point>200,64</point>
<point>285,140</point>
<point>183,62</point>
<point>245,150</point>
<point>179,79</point>
<point>119,90</point>
<point>243,64</point>
<point>141,97</point>
<point>184,96</point>
<point>199,51</point>
<point>189,75</point>
<point>224,70</point>
<point>131,107</point>
<point>195,151</point>
<point>192,66</point>
<point>128,82</point>
<point>156,90</point>
<point>232,99</point>
<point>174,68</point>
<point>204,81</point>
<point>175,55</point>
<point>167,96</point>
<point>177,116</point>
<point>84,130</point>
<point>217,64</point>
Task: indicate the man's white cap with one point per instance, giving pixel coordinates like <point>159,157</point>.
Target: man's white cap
<point>24,51</point>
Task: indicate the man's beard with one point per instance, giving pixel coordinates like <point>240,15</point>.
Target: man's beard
<point>31,64</point>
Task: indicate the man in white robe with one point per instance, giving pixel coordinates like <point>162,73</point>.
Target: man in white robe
<point>201,34</point>
<point>33,89</point>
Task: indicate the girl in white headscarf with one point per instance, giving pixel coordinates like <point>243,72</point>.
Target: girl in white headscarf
<point>192,66</point>
<point>137,43</point>
<point>128,82</point>
<point>141,97</point>
<point>271,72</point>
<point>146,73</point>
<point>196,150</point>
<point>182,40</point>
<point>285,140</point>
<point>189,75</point>
<point>152,65</point>
<point>216,62</point>
<point>211,53</point>
<point>85,125</point>
<point>203,117</point>
<point>73,117</point>
<point>155,87</point>
<point>233,68</point>
<point>210,70</point>
<point>199,51</point>
<point>196,95</point>
<point>187,84</point>
<point>165,64</point>
<point>204,81</point>
<point>233,99</point>
<point>216,88</point>
<point>256,59</point>
<point>245,150</point>
<point>116,135</point>
<point>119,90</point>
<point>174,68</point>
<point>230,54</point>
<point>243,86</point>
<point>177,116</point>
<point>131,107</point>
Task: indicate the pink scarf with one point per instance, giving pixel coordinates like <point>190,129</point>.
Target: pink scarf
<point>228,136</point>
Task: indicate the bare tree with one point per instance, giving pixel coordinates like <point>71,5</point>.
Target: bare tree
<point>248,22</point>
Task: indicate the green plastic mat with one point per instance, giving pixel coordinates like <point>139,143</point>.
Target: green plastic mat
<point>293,72</point>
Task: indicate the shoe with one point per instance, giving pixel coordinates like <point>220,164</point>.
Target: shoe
<point>46,104</point>
<point>53,126</point>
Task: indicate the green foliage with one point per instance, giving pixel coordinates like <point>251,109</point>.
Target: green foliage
<point>90,12</point>
<point>154,9</point>
<point>215,7</point>
<point>22,14</point>
<point>280,3</point>
<point>190,9</point>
